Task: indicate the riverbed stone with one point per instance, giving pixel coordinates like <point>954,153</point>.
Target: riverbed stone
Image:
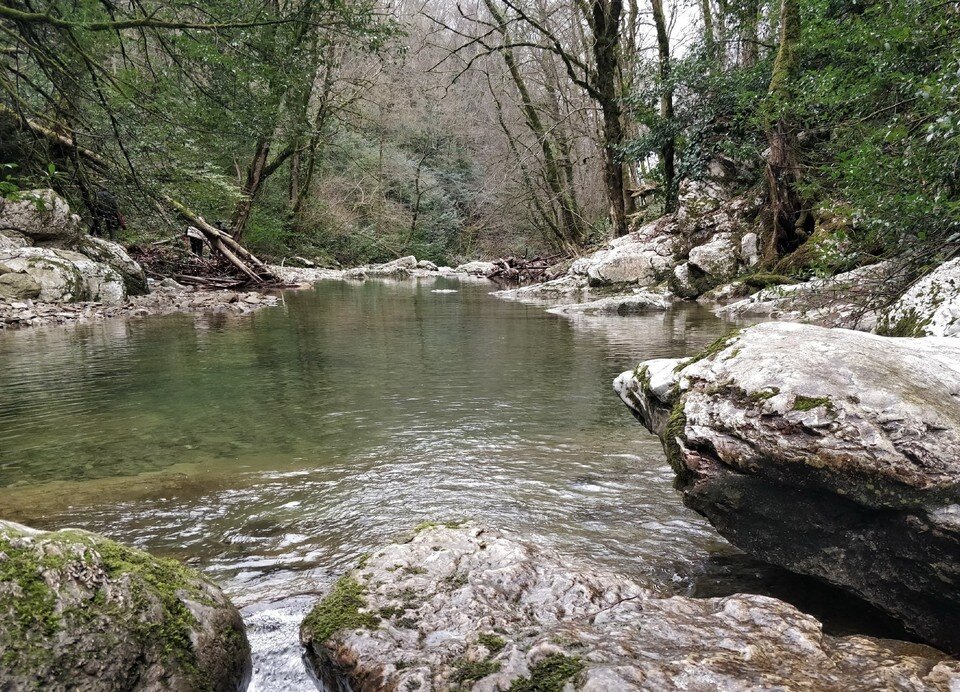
<point>80,612</point>
<point>829,452</point>
<point>636,303</point>
<point>473,608</point>
<point>477,268</point>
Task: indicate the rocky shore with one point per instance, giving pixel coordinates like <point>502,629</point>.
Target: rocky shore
<point>829,452</point>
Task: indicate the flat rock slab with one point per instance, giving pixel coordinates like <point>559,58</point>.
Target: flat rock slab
<point>829,452</point>
<point>471,608</point>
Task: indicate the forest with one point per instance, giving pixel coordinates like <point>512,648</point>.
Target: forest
<point>356,132</point>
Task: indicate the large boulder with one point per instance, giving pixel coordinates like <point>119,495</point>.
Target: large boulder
<point>471,608</point>
<point>477,268</point>
<point>41,215</point>
<point>644,257</point>
<point>66,276</point>
<point>114,256</point>
<point>18,286</point>
<point>829,452</point>
<point>80,612</point>
<point>931,307</point>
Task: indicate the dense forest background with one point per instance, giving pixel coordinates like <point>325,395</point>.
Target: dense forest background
<point>359,131</point>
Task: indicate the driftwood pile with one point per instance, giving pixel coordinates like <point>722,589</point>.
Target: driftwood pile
<point>521,270</point>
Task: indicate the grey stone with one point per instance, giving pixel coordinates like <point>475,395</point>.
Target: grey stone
<point>472,608</point>
<point>829,452</point>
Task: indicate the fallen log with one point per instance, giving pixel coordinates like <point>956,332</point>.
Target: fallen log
<point>221,242</point>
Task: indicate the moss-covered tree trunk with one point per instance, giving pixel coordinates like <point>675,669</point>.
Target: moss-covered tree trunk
<point>782,172</point>
<point>668,146</point>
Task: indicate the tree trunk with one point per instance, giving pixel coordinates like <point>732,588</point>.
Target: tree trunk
<point>606,54</point>
<point>782,173</point>
<point>241,214</point>
<point>668,147</point>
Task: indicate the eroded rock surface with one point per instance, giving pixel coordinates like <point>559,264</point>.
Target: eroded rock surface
<point>829,452</point>
<point>472,608</point>
<point>80,612</point>
<point>931,307</point>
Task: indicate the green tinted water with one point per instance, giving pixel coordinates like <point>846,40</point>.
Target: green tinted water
<point>272,451</point>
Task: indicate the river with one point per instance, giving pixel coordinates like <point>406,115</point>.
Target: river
<point>272,451</point>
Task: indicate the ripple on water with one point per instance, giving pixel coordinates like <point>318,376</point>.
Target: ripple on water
<point>272,451</point>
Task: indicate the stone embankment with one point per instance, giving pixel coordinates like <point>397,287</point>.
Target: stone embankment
<point>472,608</point>
<point>829,452</point>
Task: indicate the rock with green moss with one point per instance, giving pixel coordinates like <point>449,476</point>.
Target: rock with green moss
<point>931,307</point>
<point>466,607</point>
<point>829,452</point>
<point>81,612</point>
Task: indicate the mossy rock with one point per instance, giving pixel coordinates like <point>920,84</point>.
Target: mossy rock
<point>81,612</point>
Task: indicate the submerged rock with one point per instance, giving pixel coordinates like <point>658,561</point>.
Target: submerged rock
<point>828,452</point>
<point>78,611</point>
<point>470,608</point>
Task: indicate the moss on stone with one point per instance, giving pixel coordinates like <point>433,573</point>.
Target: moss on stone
<point>808,403</point>
<point>339,610</point>
<point>710,351</point>
<point>152,611</point>
<point>910,324</point>
<point>762,280</point>
<point>467,671</point>
<point>675,430</point>
<point>550,675</point>
<point>493,643</point>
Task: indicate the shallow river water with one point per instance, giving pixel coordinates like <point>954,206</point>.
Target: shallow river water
<point>272,451</point>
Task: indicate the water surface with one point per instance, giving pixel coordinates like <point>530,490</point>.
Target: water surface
<point>272,451</point>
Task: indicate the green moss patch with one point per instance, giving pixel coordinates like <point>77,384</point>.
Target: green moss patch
<point>467,671</point>
<point>710,351</point>
<point>492,642</point>
<point>807,403</point>
<point>550,675</point>
<point>339,610</point>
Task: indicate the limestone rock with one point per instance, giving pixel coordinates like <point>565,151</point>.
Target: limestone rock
<point>644,257</point>
<point>566,289</point>
<point>115,256</point>
<point>18,286</point>
<point>41,215</point>
<point>828,452</point>
<point>80,612</point>
<point>12,240</point>
<point>632,304</point>
<point>66,276</point>
<point>484,269</point>
<point>931,307</point>
<point>849,300</point>
<point>471,608</point>
<point>717,257</point>
<point>427,265</point>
